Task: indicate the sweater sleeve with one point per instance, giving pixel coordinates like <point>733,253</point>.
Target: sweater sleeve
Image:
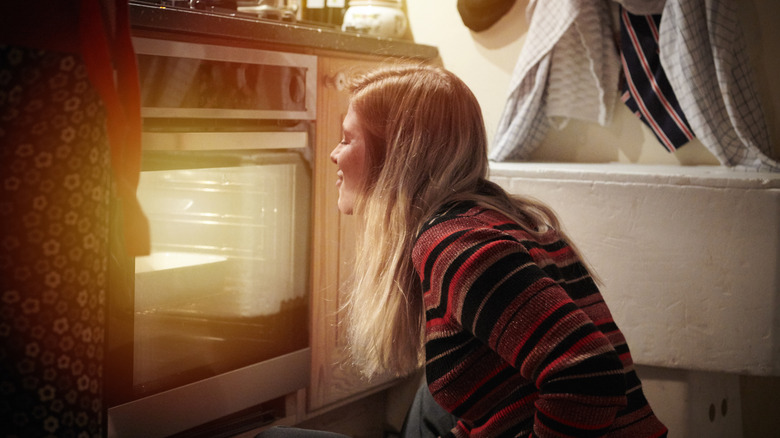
<point>488,284</point>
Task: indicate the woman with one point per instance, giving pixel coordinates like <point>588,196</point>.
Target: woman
<point>482,288</point>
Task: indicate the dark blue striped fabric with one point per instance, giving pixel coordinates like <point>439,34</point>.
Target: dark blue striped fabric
<point>647,91</point>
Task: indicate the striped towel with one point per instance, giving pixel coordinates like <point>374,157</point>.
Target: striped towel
<point>647,91</point>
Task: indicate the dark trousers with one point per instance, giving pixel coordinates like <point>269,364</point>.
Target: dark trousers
<point>426,419</point>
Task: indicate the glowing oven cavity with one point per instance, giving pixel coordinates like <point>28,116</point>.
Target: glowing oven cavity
<point>220,290</point>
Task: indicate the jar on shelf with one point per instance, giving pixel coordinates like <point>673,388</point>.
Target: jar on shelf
<point>383,18</point>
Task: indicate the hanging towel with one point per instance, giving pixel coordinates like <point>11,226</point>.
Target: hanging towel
<point>704,56</point>
<point>647,91</point>
<point>568,68</point>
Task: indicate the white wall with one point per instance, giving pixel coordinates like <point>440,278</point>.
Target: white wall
<point>485,60</point>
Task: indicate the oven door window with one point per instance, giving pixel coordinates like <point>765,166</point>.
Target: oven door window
<point>226,283</point>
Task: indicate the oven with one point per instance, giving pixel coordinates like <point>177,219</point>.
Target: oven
<point>210,331</point>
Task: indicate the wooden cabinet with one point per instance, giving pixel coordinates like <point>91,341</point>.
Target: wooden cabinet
<point>333,379</point>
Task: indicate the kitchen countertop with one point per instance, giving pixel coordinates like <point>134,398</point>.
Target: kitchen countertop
<point>147,16</point>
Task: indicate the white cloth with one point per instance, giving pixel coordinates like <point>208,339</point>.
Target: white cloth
<point>704,55</point>
<point>568,68</point>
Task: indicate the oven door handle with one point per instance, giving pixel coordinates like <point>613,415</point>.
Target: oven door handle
<point>214,141</point>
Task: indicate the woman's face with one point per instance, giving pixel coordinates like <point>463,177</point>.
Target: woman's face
<point>350,157</point>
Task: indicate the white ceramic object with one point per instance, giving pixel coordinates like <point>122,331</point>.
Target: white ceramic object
<point>382,19</point>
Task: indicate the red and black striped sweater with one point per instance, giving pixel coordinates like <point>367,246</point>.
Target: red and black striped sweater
<point>519,341</point>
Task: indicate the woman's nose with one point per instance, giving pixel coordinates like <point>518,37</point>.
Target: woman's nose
<point>333,154</point>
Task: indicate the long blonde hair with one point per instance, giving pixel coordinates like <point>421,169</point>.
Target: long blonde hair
<point>425,146</point>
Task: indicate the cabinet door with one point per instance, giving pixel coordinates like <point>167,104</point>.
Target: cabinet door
<point>333,377</point>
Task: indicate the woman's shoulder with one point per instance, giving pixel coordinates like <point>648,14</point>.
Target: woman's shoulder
<point>463,221</point>
<point>473,224</point>
<point>463,215</point>
<point>453,216</point>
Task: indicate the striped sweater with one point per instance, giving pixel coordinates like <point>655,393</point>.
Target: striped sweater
<point>519,341</point>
